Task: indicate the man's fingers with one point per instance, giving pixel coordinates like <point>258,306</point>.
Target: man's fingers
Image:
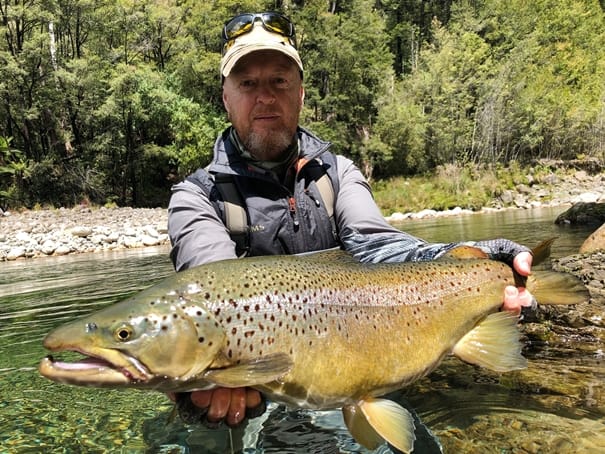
<point>522,263</point>
<point>219,405</point>
<point>255,403</point>
<point>516,298</point>
<point>201,398</point>
<point>253,398</point>
<point>237,407</point>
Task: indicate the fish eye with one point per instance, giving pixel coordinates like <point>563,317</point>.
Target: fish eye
<point>123,333</point>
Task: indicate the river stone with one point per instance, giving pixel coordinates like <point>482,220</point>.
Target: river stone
<point>150,231</point>
<point>62,249</point>
<point>15,253</point>
<point>81,231</point>
<point>149,240</point>
<point>588,197</point>
<point>594,242</point>
<point>131,242</point>
<point>48,247</point>
<point>24,237</point>
<point>112,237</point>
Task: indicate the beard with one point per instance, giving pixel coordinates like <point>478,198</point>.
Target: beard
<point>269,145</point>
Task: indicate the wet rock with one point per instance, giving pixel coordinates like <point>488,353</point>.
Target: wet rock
<point>583,213</point>
<point>594,242</point>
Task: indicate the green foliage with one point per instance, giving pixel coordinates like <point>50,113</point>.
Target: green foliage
<point>14,171</point>
<point>114,101</point>
<point>450,186</point>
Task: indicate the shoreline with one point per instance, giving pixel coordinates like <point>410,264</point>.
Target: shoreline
<point>31,234</point>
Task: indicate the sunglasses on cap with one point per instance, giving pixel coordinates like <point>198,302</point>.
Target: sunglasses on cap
<point>244,23</point>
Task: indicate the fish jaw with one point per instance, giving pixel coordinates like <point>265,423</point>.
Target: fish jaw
<point>100,367</point>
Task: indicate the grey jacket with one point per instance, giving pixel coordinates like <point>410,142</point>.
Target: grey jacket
<point>286,220</point>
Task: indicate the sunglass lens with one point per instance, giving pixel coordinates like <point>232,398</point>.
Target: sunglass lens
<point>278,24</point>
<point>238,26</point>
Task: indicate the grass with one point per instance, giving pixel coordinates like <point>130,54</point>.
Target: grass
<point>450,186</point>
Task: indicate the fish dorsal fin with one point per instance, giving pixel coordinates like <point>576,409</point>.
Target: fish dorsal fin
<point>465,252</point>
<point>541,253</point>
<point>255,372</point>
<point>374,421</point>
<point>493,343</point>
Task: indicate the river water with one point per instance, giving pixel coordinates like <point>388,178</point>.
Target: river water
<point>469,410</point>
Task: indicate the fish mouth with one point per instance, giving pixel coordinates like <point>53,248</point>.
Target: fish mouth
<point>109,368</point>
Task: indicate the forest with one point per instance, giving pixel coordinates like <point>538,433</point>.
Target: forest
<point>113,101</point>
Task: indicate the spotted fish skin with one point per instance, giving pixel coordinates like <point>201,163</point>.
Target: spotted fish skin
<point>351,330</point>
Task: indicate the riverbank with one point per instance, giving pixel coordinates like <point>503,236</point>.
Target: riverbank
<point>39,233</point>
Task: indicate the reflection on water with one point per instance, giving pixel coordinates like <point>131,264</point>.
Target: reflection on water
<point>557,405</point>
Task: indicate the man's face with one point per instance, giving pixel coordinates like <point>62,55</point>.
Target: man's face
<point>263,96</point>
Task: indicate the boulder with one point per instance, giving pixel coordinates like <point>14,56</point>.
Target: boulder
<point>594,242</point>
<point>583,213</point>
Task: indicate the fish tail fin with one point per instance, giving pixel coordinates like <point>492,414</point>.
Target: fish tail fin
<point>374,421</point>
<point>494,343</point>
<point>552,287</point>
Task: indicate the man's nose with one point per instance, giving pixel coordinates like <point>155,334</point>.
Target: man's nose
<point>265,94</point>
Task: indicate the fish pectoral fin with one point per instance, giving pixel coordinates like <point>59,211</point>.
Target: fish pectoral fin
<point>374,421</point>
<point>494,343</point>
<point>255,372</point>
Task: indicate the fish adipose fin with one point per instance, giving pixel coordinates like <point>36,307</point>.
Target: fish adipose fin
<point>374,421</point>
<point>258,371</point>
<point>494,343</point>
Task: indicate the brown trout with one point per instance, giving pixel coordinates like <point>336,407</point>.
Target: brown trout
<point>318,331</point>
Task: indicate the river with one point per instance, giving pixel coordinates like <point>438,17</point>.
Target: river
<point>467,409</point>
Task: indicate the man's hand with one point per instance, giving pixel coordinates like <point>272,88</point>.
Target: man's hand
<point>515,298</point>
<point>212,407</point>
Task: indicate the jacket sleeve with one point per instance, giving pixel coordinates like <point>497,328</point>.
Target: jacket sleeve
<point>370,238</point>
<point>197,234</point>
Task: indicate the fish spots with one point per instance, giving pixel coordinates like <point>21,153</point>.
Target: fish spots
<point>201,340</point>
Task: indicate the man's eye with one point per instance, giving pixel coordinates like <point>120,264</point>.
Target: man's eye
<point>247,84</point>
<point>281,82</point>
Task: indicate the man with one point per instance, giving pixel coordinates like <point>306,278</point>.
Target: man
<point>279,171</point>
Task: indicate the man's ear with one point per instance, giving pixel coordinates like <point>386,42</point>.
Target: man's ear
<point>226,104</point>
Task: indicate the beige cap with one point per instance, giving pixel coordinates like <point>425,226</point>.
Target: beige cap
<point>257,39</point>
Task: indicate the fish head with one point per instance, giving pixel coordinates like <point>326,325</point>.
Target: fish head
<point>144,341</point>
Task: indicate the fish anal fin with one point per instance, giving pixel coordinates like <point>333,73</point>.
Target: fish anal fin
<point>360,428</point>
<point>373,421</point>
<point>494,344</point>
<point>261,370</point>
